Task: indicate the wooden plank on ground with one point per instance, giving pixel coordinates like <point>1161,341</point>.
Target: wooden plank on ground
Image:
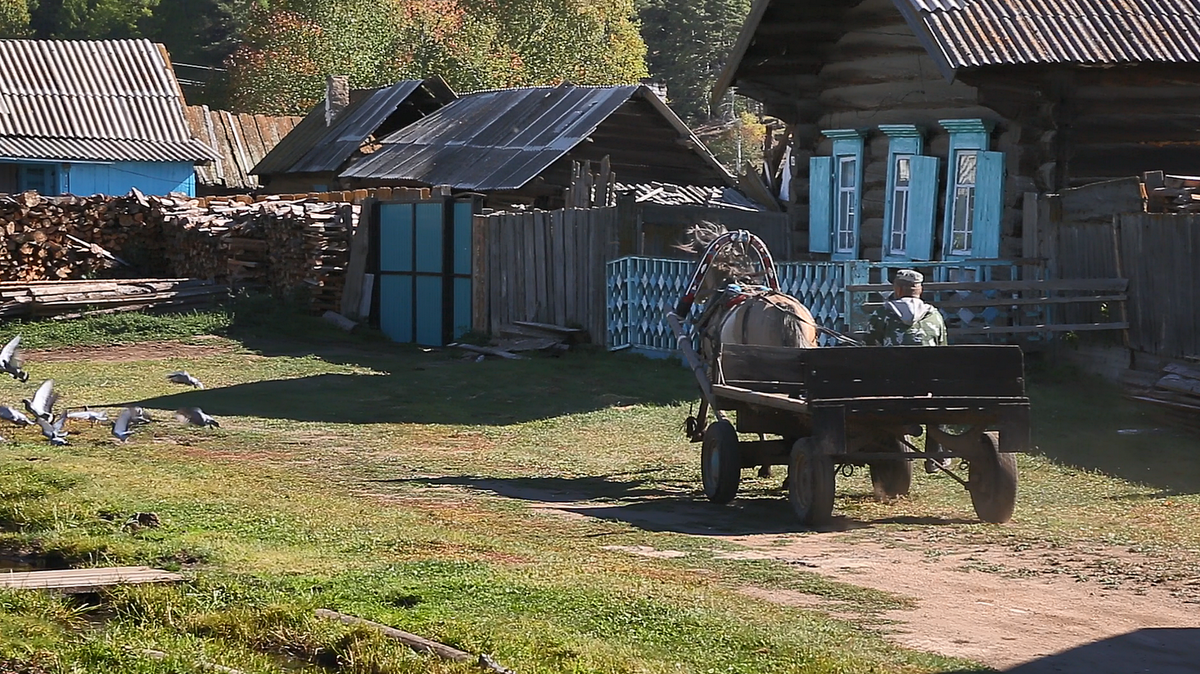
<point>86,580</point>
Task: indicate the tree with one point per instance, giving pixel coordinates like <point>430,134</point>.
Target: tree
<point>14,18</point>
<point>689,42</point>
<point>199,33</point>
<point>90,19</point>
<point>290,46</point>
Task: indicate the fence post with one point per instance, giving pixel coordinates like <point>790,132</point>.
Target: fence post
<point>857,272</point>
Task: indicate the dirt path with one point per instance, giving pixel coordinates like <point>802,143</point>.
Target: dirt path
<point>125,353</point>
<point>1005,608</point>
<point>1027,609</point>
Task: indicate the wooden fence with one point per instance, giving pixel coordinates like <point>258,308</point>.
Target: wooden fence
<point>543,266</point>
<point>1159,254</point>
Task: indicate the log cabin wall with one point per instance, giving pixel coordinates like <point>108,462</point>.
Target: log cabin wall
<point>876,73</point>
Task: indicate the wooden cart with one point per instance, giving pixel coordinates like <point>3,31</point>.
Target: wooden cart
<point>860,406</point>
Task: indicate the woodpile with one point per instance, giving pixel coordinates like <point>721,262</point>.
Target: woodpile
<point>74,299</point>
<point>284,245</point>
<point>1170,194</point>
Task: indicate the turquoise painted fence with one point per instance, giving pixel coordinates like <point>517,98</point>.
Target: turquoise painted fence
<point>641,290</point>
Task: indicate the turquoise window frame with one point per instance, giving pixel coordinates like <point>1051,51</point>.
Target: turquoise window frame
<point>847,145</point>
<point>973,135</point>
<point>903,139</point>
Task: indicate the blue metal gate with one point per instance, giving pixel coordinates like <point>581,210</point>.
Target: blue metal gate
<point>423,286</point>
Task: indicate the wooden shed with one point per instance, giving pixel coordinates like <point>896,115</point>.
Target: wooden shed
<point>918,125</point>
<point>518,147</point>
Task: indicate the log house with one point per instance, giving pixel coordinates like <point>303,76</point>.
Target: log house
<point>1044,96</point>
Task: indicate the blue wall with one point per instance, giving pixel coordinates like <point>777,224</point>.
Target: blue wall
<point>117,178</point>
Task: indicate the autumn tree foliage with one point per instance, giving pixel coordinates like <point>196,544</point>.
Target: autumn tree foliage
<point>290,46</point>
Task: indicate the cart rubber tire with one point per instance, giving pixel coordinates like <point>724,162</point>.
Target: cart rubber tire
<point>720,462</point>
<point>811,483</point>
<point>992,481</point>
<point>891,478</point>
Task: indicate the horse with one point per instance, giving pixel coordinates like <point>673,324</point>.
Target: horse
<point>738,309</point>
<point>756,315</point>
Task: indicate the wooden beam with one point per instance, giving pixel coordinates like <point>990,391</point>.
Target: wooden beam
<point>1045,327</point>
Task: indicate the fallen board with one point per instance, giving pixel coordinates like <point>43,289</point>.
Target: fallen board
<point>85,580</point>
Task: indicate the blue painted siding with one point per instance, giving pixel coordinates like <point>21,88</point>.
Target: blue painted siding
<point>118,178</point>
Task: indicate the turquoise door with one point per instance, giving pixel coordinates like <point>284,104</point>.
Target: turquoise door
<point>424,285</point>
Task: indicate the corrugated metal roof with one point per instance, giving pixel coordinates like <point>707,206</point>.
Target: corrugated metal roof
<point>666,194</point>
<point>313,147</point>
<point>240,140</point>
<point>110,100</point>
<point>502,139</point>
<point>973,33</point>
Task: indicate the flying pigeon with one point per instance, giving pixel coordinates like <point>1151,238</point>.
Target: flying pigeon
<point>14,415</point>
<point>123,426</point>
<point>10,360</point>
<point>196,417</point>
<point>182,377</point>
<point>54,432</point>
<point>42,405</point>
<point>86,414</point>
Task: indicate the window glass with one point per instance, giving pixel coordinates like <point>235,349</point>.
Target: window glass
<point>847,188</point>
<point>964,202</point>
<point>903,172</point>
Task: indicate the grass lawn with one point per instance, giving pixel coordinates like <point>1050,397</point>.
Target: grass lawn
<point>369,478</point>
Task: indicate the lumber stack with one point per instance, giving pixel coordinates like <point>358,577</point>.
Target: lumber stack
<point>74,299</point>
<point>284,245</point>
<point>1171,194</point>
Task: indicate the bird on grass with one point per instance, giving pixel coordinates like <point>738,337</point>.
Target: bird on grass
<point>14,415</point>
<point>196,417</point>
<point>182,377</point>
<point>54,432</point>
<point>124,425</point>
<point>42,403</point>
<point>10,360</point>
<point>89,415</point>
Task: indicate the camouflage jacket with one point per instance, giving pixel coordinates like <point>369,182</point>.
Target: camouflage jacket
<point>906,322</point>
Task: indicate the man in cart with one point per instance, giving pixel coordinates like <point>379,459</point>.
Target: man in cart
<point>906,320</point>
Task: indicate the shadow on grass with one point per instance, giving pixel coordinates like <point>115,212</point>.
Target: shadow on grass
<point>1083,421</point>
<point>410,385</point>
<point>661,506</point>
<point>1157,650</point>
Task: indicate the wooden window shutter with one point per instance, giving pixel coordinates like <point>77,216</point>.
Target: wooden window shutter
<point>922,207</point>
<point>820,205</point>
<point>989,205</point>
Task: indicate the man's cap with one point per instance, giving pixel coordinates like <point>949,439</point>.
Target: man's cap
<point>909,276</point>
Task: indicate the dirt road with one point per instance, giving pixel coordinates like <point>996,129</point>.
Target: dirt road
<point>1027,608</point>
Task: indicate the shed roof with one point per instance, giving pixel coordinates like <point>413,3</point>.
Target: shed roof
<point>108,100</point>
<point>502,139</point>
<point>314,147</point>
<point>786,37</point>
<point>240,141</point>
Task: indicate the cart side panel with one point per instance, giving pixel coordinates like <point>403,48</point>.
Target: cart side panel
<point>770,369</point>
<point>915,371</point>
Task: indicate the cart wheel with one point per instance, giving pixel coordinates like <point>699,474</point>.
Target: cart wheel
<point>891,478</point>
<point>992,481</point>
<point>810,483</point>
<point>720,462</point>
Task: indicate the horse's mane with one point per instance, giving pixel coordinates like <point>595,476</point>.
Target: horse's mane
<point>735,262</point>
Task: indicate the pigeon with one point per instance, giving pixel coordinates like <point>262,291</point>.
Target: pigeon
<point>182,377</point>
<point>88,415</point>
<point>196,417</point>
<point>42,405</point>
<point>14,415</point>
<point>54,431</point>
<point>10,360</point>
<point>123,426</point>
<point>139,416</point>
